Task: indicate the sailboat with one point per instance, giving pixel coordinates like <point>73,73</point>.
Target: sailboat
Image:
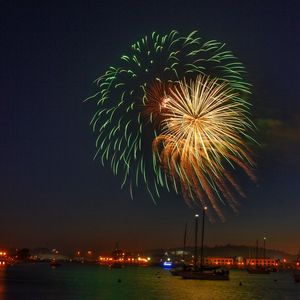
<point>179,271</point>
<point>297,275</point>
<point>297,270</point>
<point>203,272</point>
<point>259,269</point>
<point>118,258</point>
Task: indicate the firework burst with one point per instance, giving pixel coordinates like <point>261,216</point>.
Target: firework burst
<point>202,128</point>
<point>174,114</point>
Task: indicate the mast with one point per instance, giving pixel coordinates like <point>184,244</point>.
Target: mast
<point>265,250</point>
<point>184,242</point>
<point>256,253</point>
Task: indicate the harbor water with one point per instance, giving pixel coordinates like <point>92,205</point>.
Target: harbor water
<point>38,281</point>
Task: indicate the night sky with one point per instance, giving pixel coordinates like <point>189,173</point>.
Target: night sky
<point>54,195</point>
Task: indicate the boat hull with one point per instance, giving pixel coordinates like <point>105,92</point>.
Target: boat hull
<point>258,271</point>
<point>180,271</point>
<point>297,276</point>
<point>205,275</point>
<point>55,264</point>
<point>116,266</point>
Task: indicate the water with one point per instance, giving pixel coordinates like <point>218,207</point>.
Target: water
<point>92,282</point>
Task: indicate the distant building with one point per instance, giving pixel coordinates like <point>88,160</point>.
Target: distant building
<point>219,261</point>
<point>124,258</point>
<point>269,262</point>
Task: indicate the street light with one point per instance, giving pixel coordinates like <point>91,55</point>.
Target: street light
<point>202,237</point>
<point>196,240</point>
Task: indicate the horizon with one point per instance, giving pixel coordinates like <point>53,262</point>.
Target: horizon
<point>75,250</point>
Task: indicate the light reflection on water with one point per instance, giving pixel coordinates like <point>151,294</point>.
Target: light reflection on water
<point>91,282</point>
<point>2,283</point>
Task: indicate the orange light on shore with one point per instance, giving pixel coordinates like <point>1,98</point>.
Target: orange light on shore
<point>128,260</point>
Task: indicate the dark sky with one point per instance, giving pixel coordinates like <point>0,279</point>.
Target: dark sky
<point>53,194</point>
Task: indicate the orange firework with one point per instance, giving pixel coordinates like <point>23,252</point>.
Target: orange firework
<point>203,128</point>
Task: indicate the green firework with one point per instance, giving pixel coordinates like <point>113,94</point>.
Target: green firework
<point>124,133</point>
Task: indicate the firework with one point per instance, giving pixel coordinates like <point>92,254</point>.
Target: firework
<point>174,114</point>
<point>202,127</point>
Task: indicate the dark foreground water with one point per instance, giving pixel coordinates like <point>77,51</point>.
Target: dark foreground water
<point>91,282</point>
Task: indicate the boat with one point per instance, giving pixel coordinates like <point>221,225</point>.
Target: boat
<point>203,272</point>
<point>179,270</point>
<point>116,265</point>
<point>54,264</point>
<point>297,275</point>
<point>118,258</point>
<point>259,269</point>
<point>297,270</point>
<point>274,269</point>
<point>207,274</point>
<point>167,263</point>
